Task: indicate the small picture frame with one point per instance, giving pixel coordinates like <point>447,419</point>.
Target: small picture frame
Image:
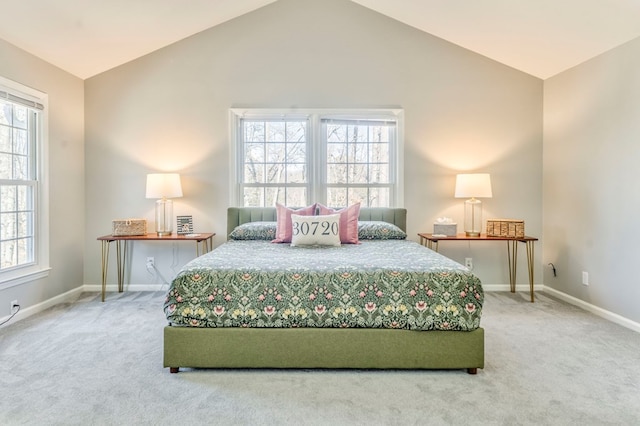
<point>185,225</point>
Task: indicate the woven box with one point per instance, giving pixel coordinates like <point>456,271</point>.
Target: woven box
<point>124,227</point>
<point>448,229</point>
<point>509,228</point>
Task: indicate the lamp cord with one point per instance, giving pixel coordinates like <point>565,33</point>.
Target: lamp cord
<point>11,316</point>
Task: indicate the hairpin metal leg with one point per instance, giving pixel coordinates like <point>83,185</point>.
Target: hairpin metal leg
<point>121,254</point>
<point>105,265</point>
<point>530,266</point>
<point>512,254</point>
<point>207,246</point>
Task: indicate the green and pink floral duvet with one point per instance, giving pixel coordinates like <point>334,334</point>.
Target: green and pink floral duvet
<point>375,284</point>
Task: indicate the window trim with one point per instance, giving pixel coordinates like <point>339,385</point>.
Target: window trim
<point>40,267</point>
<point>315,116</point>
<point>240,164</point>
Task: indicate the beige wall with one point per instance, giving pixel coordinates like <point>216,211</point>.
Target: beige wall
<point>169,111</point>
<point>591,180</point>
<point>66,176</point>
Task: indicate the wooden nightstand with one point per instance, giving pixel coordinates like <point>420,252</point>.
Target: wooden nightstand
<point>202,240</point>
<point>431,241</point>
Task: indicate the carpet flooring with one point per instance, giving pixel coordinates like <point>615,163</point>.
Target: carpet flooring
<point>93,363</point>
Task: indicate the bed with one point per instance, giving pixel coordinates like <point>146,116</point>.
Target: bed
<point>228,309</point>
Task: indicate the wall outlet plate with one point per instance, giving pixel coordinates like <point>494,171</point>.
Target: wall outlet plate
<point>468,262</point>
<point>585,278</point>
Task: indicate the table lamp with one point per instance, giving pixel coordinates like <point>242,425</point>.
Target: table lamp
<point>473,186</point>
<point>164,186</point>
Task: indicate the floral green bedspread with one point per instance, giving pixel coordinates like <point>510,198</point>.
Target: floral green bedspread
<point>375,284</point>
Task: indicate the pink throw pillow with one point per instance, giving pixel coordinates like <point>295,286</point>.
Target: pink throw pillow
<point>348,222</point>
<point>284,229</point>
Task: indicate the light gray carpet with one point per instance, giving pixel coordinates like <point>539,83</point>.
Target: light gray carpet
<point>93,363</point>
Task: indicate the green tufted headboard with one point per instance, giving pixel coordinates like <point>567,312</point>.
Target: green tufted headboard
<point>239,215</point>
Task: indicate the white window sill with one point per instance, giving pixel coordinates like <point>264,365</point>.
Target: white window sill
<point>27,276</point>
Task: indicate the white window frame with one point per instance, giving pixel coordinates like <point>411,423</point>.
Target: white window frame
<point>239,153</point>
<point>40,267</point>
<point>316,146</point>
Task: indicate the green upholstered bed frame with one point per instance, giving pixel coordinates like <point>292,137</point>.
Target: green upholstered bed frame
<point>321,347</point>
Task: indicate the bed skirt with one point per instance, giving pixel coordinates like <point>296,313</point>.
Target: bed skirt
<point>351,348</point>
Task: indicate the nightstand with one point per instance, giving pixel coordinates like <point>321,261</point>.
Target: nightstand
<point>431,241</point>
<point>204,244</point>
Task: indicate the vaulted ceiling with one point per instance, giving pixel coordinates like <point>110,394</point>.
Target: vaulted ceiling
<point>539,37</point>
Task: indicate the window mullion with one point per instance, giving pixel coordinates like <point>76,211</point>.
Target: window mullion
<point>319,159</point>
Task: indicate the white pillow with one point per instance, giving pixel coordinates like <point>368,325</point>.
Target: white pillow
<point>315,230</point>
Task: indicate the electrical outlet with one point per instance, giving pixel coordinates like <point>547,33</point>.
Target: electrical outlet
<point>468,262</point>
<point>14,306</point>
<point>585,278</point>
<point>151,263</point>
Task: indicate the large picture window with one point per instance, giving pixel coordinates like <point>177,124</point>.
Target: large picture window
<point>21,138</point>
<point>334,157</point>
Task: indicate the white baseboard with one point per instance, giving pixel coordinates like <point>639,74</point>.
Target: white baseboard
<point>610,316</point>
<point>507,287</point>
<point>127,287</point>
<point>69,296</point>
<point>618,319</point>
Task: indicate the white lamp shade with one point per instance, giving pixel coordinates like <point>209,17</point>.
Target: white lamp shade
<point>473,185</point>
<point>163,185</point>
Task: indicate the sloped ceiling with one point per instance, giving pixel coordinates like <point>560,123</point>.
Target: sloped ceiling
<point>539,37</point>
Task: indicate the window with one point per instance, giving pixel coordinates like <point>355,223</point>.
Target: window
<point>22,238</point>
<point>334,157</point>
<point>274,162</point>
<point>359,161</point>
